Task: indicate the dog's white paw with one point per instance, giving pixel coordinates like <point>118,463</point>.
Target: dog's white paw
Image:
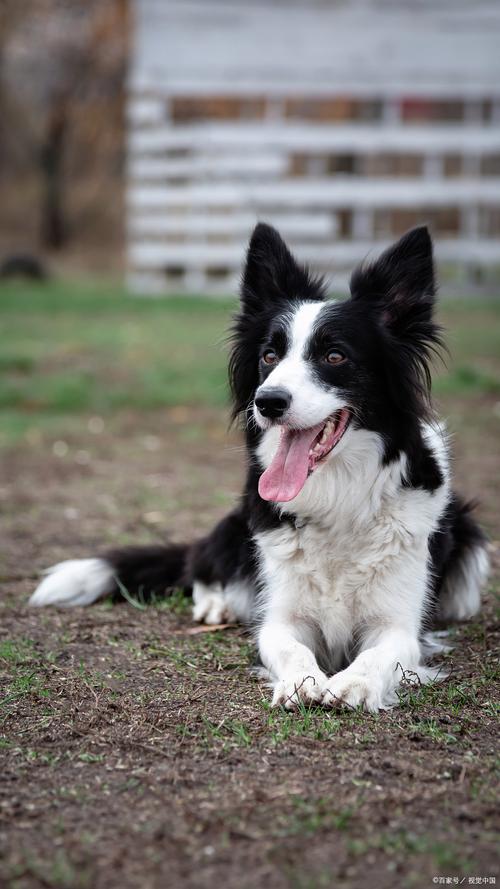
<point>210,606</point>
<point>305,687</point>
<point>350,688</point>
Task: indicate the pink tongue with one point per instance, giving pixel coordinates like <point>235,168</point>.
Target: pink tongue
<point>287,474</point>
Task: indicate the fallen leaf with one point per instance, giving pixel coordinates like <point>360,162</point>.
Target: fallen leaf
<point>204,628</point>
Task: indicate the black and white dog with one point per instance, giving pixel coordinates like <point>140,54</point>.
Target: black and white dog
<point>348,539</point>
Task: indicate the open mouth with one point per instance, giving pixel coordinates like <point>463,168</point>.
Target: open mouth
<point>300,452</point>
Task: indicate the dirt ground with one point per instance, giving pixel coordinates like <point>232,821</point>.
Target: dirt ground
<point>138,754</point>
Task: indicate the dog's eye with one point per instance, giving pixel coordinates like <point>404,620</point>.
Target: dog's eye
<point>334,357</point>
<point>270,357</point>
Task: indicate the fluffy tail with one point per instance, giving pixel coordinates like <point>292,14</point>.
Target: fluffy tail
<point>141,571</point>
<point>466,565</point>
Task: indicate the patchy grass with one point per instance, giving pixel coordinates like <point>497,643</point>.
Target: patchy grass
<point>310,816</point>
<point>72,348</point>
<point>134,753</point>
<point>305,722</point>
<point>177,603</point>
<point>16,652</point>
<point>60,873</point>
<point>447,858</point>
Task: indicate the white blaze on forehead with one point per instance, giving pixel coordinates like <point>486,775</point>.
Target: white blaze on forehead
<point>302,327</point>
<point>291,371</point>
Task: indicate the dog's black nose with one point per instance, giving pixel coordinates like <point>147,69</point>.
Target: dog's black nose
<point>273,402</point>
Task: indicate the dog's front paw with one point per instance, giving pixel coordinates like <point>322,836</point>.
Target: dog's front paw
<point>354,689</point>
<point>291,690</point>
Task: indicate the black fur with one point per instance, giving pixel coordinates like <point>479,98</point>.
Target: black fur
<point>458,533</point>
<point>149,571</point>
<point>272,279</point>
<point>224,555</point>
<point>398,290</point>
<point>388,336</point>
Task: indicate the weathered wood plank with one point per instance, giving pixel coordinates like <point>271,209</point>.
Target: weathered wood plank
<point>238,224</point>
<point>325,193</point>
<point>202,164</point>
<point>316,46</point>
<point>317,137</point>
<point>342,253</point>
<point>141,110</point>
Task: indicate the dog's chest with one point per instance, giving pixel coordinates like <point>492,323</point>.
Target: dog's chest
<point>319,574</point>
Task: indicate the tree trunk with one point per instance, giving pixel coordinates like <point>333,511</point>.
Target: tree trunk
<point>54,232</point>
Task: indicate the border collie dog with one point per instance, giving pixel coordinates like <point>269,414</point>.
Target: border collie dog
<point>348,539</point>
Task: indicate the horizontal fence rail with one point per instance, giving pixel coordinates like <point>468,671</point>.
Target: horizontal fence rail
<point>342,152</point>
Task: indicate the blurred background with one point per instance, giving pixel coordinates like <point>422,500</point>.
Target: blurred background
<point>63,66</point>
<point>142,139</point>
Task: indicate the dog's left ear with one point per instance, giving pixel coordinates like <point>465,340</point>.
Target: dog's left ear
<point>272,274</point>
<point>399,285</point>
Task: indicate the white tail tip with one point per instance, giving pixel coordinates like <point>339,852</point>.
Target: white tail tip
<point>72,583</point>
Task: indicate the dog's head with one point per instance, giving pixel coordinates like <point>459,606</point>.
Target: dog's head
<point>322,369</point>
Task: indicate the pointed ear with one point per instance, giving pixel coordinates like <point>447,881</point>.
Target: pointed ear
<point>271,273</point>
<point>399,285</point>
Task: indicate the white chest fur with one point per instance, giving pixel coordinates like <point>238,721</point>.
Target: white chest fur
<point>356,531</point>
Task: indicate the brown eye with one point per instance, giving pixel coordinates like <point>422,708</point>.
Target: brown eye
<point>269,357</point>
<point>334,357</point>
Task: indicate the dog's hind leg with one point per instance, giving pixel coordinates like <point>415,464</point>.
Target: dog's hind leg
<point>222,570</point>
<point>460,597</point>
<point>216,604</point>
<point>465,568</point>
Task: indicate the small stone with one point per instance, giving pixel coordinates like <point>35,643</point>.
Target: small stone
<point>96,425</point>
<point>60,448</point>
<point>82,457</point>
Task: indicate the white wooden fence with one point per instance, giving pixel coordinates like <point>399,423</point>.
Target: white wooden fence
<point>341,155</point>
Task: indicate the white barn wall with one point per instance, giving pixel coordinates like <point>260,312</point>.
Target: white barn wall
<point>221,133</point>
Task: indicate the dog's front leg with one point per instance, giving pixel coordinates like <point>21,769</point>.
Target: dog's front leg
<point>394,604</point>
<point>293,667</point>
<point>373,677</point>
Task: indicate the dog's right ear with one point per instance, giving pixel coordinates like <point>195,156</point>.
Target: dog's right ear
<point>272,274</point>
<point>271,280</point>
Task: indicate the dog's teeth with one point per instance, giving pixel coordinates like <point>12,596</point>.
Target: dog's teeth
<point>326,431</point>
